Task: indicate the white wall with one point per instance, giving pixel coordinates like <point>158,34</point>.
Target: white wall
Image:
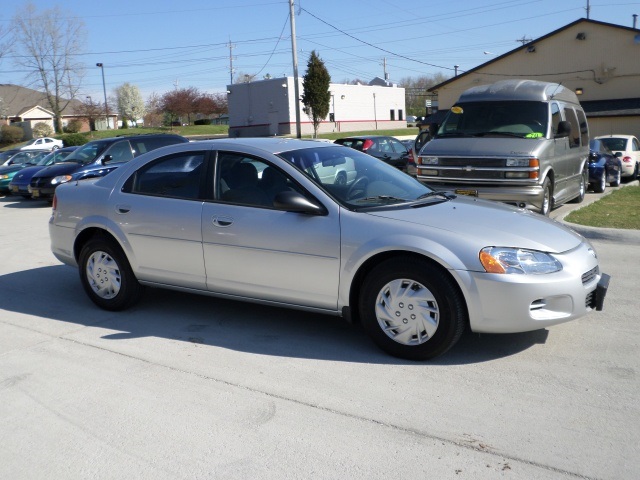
<point>267,107</point>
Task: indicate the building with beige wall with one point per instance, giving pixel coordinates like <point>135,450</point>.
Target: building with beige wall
<point>599,61</point>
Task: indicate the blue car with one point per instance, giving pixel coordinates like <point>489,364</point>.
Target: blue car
<point>19,185</point>
<point>604,167</point>
<point>96,159</point>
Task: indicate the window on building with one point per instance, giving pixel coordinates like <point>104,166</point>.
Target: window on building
<point>400,115</point>
<point>392,114</point>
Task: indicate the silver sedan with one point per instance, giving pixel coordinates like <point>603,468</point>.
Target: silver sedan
<point>263,220</point>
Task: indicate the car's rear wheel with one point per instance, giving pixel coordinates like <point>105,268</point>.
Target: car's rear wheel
<point>412,309</point>
<point>106,275</point>
<point>601,184</point>
<point>616,181</point>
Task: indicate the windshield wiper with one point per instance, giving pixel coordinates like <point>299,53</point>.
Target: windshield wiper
<point>447,195</point>
<point>385,198</point>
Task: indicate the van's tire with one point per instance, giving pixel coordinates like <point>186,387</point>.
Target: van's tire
<point>412,309</point>
<point>547,199</point>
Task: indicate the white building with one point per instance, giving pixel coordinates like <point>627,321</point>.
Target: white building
<point>267,108</point>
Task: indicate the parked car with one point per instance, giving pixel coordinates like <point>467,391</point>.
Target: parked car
<point>385,250</point>
<point>22,160</point>
<point>23,156</point>
<point>387,149</point>
<point>96,159</point>
<point>604,166</point>
<point>627,147</point>
<point>5,155</point>
<point>44,143</point>
<point>19,185</point>
<point>411,162</point>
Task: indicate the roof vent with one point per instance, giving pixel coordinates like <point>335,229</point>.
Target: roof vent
<point>581,36</point>
<point>531,48</point>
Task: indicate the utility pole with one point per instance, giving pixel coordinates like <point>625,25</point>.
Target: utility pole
<point>231,71</point>
<point>384,67</point>
<point>524,40</point>
<point>296,88</point>
<point>588,9</point>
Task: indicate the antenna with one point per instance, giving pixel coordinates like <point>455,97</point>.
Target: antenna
<point>523,40</point>
<point>554,92</point>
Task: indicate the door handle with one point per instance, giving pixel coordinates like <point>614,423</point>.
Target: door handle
<point>222,221</point>
<point>123,208</point>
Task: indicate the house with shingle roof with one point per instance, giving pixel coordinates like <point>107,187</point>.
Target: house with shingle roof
<point>599,61</point>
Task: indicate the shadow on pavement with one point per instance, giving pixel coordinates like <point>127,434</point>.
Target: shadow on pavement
<point>55,292</point>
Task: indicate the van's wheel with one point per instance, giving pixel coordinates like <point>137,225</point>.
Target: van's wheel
<point>584,182</point>
<point>412,309</point>
<point>106,275</point>
<point>547,199</point>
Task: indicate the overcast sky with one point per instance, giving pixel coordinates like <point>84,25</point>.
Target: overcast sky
<point>160,45</point>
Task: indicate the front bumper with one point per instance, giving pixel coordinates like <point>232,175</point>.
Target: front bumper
<point>519,303</point>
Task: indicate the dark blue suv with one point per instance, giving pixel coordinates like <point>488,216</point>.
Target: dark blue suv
<point>96,159</point>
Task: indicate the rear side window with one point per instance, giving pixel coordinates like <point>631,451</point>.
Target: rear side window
<point>555,118</point>
<point>570,116</point>
<point>175,176</point>
<point>584,128</point>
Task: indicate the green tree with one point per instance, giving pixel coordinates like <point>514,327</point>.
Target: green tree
<point>316,96</point>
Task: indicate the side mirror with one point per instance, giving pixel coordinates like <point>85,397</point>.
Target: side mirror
<point>618,154</point>
<point>106,159</point>
<point>294,202</point>
<point>564,129</point>
<point>422,138</point>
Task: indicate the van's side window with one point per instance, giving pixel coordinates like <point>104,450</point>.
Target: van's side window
<point>570,116</point>
<point>555,118</point>
<point>584,128</point>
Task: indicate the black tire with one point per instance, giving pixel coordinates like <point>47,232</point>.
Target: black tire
<point>421,288</point>
<point>601,184</point>
<point>106,275</point>
<point>547,199</point>
<point>583,187</point>
<point>616,182</point>
<point>636,172</point>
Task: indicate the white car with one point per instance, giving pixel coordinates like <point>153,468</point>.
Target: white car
<point>627,147</point>
<point>44,143</point>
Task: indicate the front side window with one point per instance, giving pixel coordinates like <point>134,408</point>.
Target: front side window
<point>251,181</point>
<point>88,152</point>
<point>120,152</point>
<point>175,176</point>
<point>584,129</point>
<point>556,118</point>
<point>570,116</point>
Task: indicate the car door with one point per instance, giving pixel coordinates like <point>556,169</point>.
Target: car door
<point>159,209</point>
<point>253,250</point>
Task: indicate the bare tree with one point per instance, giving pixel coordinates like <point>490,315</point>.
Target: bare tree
<point>89,111</point>
<point>153,107</point>
<point>46,44</point>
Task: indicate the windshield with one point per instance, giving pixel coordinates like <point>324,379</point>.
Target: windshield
<point>36,159</point>
<point>355,179</point>
<point>88,152</point>
<point>508,118</point>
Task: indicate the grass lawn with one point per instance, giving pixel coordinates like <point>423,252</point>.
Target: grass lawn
<point>619,209</point>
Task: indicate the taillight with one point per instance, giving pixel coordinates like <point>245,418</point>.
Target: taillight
<point>626,159</point>
<point>367,145</point>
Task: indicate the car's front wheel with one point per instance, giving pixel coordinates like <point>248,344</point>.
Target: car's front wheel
<point>412,309</point>
<point>106,275</point>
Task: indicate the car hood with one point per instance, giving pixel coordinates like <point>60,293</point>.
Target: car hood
<point>490,223</point>
<point>28,172</point>
<point>11,168</point>
<point>482,146</point>
<point>61,168</point>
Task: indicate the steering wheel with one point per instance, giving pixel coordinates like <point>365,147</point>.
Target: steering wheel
<point>359,184</point>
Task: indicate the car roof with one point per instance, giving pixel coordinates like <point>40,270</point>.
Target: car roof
<point>613,135</point>
<point>273,145</point>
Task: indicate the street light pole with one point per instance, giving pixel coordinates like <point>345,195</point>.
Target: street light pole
<point>296,88</point>
<point>104,88</point>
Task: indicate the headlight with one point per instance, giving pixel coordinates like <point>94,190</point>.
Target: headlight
<point>60,179</point>
<point>430,160</point>
<point>4,177</point>
<point>517,260</point>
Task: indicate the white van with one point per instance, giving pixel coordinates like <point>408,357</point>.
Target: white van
<point>522,142</point>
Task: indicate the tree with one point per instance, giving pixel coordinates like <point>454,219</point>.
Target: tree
<point>89,111</point>
<point>416,92</point>
<point>153,108</point>
<point>316,97</point>
<point>131,107</point>
<point>179,103</point>
<point>47,46</point>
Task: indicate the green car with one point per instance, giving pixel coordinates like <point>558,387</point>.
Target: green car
<point>18,162</point>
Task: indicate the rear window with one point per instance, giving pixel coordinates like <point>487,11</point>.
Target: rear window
<point>615,144</point>
<point>144,145</point>
<point>351,142</point>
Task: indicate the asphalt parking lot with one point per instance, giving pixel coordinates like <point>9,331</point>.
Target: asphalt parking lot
<point>195,387</point>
